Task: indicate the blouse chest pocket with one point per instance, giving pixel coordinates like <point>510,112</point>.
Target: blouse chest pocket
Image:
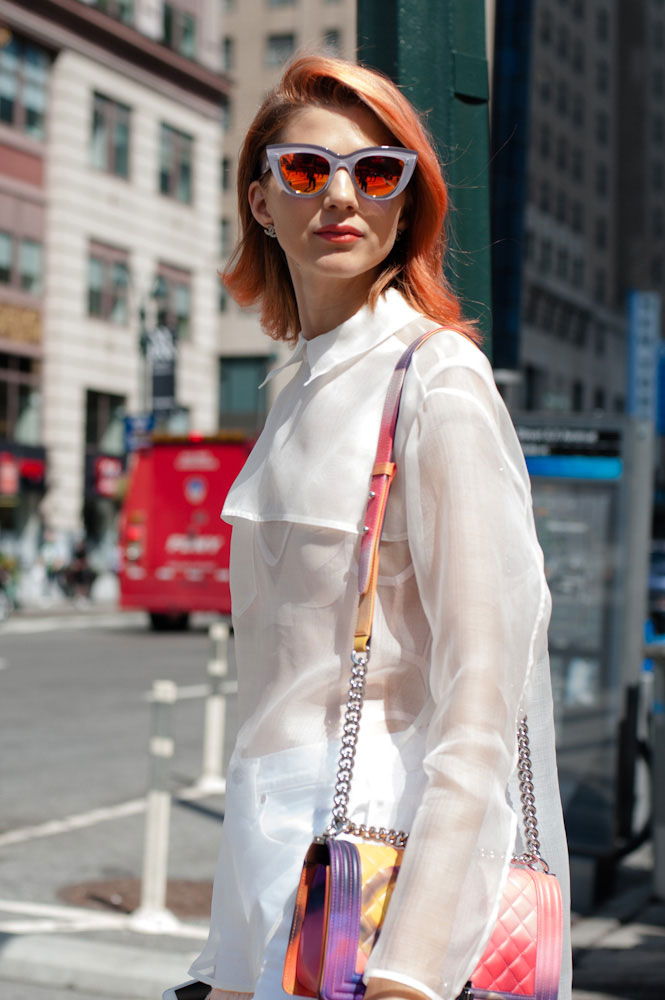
<point>306,566</point>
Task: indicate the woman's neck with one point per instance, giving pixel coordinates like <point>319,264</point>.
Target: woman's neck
<point>324,307</point>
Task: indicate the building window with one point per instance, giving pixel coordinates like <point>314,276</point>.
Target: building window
<point>545,140</point>
<point>578,272</point>
<point>226,116</point>
<point>599,399</point>
<point>602,25</point>
<point>577,217</point>
<point>600,286</point>
<point>562,263</point>
<point>332,42</point>
<point>601,233</point>
<point>21,263</point>
<point>546,256</point>
<point>602,127</point>
<point>534,384</point>
<point>109,136</point>
<point>24,72</point>
<point>544,196</point>
<point>578,110</point>
<point>562,97</point>
<point>546,27</point>
<point>658,222</point>
<point>578,10</point>
<point>577,163</point>
<point>578,55</point>
<point>577,401</point>
<point>175,163</point>
<point>658,83</point>
<point>20,399</point>
<point>601,179</point>
<point>657,130</point>
<point>657,175</point>
<point>225,173</point>
<point>602,76</point>
<point>174,299</point>
<point>561,206</point>
<point>562,153</point>
<point>30,266</point>
<point>179,30</point>
<point>224,237</point>
<point>241,402</point>
<point>121,10</point>
<point>279,48</point>
<point>104,420</point>
<point>563,42</point>
<point>657,271</point>
<point>228,53</point>
<point>108,284</point>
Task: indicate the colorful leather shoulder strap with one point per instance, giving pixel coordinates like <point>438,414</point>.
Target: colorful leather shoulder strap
<point>383,474</point>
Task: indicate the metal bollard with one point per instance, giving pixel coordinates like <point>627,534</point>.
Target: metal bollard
<point>212,772</point>
<point>152,915</point>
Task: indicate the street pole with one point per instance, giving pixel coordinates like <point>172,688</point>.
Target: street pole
<point>436,51</point>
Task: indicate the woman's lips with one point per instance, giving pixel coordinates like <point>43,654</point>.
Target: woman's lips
<point>339,234</point>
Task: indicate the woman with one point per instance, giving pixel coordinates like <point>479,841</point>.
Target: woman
<point>342,247</point>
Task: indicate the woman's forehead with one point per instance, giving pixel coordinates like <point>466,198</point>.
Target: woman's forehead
<point>340,129</point>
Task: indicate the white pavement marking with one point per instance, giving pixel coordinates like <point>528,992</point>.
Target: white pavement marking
<point>81,820</point>
<point>76,822</point>
<point>50,919</point>
<point>65,623</point>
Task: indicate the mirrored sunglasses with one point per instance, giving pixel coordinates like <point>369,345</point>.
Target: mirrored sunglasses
<point>377,172</point>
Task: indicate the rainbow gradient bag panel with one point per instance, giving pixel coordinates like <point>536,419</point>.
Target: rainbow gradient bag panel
<point>341,903</point>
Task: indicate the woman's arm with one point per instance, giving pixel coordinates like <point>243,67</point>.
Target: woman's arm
<point>480,580</point>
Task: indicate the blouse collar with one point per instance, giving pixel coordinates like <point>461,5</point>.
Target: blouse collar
<point>355,336</point>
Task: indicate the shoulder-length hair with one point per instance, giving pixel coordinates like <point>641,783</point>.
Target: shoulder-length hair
<point>258,270</point>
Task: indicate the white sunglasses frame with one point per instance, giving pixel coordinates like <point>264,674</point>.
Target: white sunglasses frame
<point>408,157</point>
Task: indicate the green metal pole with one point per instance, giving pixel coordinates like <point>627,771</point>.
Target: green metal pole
<point>435,50</point>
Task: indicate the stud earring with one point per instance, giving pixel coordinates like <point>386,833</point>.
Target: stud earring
<point>270,230</point>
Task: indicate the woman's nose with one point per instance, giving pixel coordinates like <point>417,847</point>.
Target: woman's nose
<point>341,190</point>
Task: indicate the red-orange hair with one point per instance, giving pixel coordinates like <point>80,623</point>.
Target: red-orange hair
<point>258,271</point>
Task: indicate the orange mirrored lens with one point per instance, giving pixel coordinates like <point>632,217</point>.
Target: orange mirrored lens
<point>378,176</point>
<point>305,173</point>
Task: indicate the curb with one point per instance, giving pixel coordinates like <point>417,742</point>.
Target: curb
<point>107,970</point>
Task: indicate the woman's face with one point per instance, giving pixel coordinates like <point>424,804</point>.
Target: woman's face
<point>338,234</point>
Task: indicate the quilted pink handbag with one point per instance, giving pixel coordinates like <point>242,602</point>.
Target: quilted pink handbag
<point>346,884</point>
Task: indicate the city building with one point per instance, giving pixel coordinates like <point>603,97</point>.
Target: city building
<point>258,37</point>
<point>110,148</point>
<point>579,202</point>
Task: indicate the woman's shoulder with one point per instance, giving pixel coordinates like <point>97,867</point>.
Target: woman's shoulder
<point>447,355</point>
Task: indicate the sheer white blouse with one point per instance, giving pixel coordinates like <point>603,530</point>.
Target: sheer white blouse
<point>458,651</point>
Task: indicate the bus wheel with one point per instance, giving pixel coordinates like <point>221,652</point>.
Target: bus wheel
<point>164,621</point>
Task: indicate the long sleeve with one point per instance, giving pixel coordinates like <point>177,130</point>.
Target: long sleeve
<point>480,579</point>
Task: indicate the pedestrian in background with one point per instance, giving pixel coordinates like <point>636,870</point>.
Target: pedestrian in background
<point>342,246</point>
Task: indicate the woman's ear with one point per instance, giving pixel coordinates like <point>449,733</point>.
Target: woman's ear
<point>258,205</point>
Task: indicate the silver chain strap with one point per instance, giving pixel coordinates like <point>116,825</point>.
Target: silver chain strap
<point>397,838</point>
<point>532,856</point>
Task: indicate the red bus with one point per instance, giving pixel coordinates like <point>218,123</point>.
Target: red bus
<point>174,548</point>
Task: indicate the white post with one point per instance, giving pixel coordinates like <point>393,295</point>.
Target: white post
<point>212,773</point>
<point>152,915</point>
